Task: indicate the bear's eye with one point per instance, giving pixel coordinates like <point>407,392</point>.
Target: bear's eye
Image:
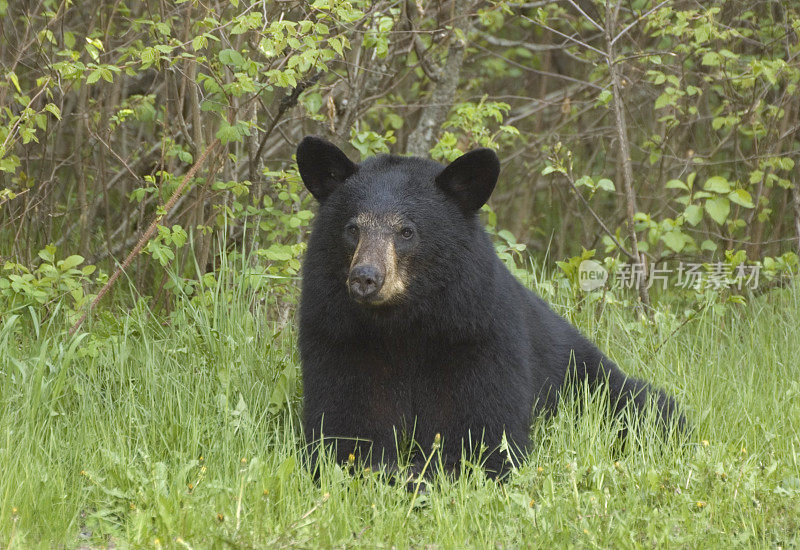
<point>407,232</point>
<point>352,230</point>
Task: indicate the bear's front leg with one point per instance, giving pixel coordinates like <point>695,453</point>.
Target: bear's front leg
<point>352,443</point>
<point>351,406</point>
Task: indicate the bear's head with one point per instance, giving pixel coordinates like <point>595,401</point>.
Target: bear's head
<point>390,222</point>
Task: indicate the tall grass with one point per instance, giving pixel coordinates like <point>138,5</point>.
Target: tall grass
<point>177,432</point>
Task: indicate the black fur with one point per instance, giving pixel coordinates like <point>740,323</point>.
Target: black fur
<point>467,351</point>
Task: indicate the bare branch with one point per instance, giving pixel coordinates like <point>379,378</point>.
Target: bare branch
<point>568,37</point>
<point>629,27</point>
<point>583,13</point>
<point>628,253</point>
<point>503,43</point>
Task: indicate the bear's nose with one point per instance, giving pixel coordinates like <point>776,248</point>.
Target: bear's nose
<point>365,281</point>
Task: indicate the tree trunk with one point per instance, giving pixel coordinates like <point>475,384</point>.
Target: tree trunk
<point>80,173</point>
<point>624,150</point>
<point>441,99</point>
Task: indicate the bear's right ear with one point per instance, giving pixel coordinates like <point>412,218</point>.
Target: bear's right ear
<point>470,179</point>
<point>323,166</point>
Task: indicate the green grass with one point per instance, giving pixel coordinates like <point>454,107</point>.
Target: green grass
<point>145,433</point>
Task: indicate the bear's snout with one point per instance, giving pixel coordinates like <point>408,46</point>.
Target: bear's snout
<point>365,282</point>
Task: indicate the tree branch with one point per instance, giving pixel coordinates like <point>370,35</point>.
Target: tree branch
<point>146,236</point>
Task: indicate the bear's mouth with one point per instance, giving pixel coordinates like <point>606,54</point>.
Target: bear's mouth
<point>382,300</point>
<point>372,301</point>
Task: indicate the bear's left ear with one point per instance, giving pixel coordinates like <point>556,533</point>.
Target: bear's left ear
<point>471,178</point>
<point>323,166</point>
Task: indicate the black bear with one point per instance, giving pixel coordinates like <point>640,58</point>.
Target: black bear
<point>411,326</point>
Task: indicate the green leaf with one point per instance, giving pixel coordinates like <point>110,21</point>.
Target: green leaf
<point>507,236</point>
<point>94,76</point>
<point>313,102</point>
<point>606,184</point>
<point>693,90</point>
<point>199,42</point>
<point>664,99</point>
<point>393,120</point>
<point>336,43</point>
<point>228,133</point>
<point>717,184</point>
<point>277,253</point>
<point>693,214</point>
<point>283,390</point>
<point>604,97</point>
<point>161,252</point>
<point>675,240</point>
<point>708,245</point>
<point>711,59</point>
<point>549,169</point>
<point>12,76</point>
<point>70,262</point>
<point>230,57</point>
<point>683,199</point>
<point>718,208</point>
<point>48,254</point>
<point>742,198</point>
<point>52,108</point>
<point>677,184</point>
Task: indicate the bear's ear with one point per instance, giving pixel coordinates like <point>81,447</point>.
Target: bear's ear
<point>471,178</point>
<point>323,166</point>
